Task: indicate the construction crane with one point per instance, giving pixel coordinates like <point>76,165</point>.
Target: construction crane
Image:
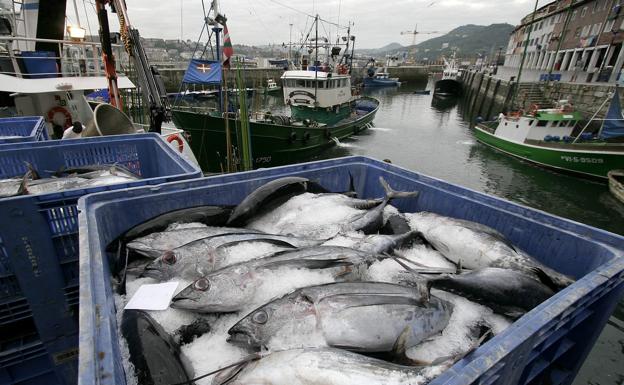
<point>417,32</point>
<point>150,82</point>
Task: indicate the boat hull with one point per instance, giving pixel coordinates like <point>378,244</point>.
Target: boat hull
<point>590,161</point>
<point>448,87</point>
<point>371,82</point>
<point>272,144</point>
<point>615,186</point>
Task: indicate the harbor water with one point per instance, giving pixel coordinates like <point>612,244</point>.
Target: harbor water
<point>433,137</point>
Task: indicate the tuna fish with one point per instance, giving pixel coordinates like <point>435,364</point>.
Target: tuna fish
<point>476,246</point>
<point>323,216</point>
<point>238,286</point>
<point>507,292</point>
<point>357,316</point>
<point>208,215</point>
<point>153,353</point>
<point>205,255</point>
<point>154,244</point>
<point>327,366</point>
<point>269,196</point>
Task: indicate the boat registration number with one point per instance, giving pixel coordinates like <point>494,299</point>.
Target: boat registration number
<point>578,159</point>
<point>263,159</point>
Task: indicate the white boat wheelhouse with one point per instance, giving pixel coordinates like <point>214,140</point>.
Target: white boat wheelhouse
<point>316,88</point>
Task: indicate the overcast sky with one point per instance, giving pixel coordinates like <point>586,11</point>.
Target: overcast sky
<point>257,22</point>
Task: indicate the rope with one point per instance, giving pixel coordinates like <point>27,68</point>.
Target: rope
<point>245,360</point>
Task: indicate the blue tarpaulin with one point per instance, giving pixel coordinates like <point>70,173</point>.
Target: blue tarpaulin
<point>613,126</point>
<point>203,72</point>
<point>99,96</point>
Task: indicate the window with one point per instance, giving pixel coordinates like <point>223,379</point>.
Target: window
<point>596,6</point>
<point>552,20</point>
<point>571,123</point>
<point>583,12</point>
<point>562,123</point>
<point>609,25</point>
<point>585,31</point>
<point>300,83</point>
<point>596,29</point>
<point>574,14</point>
<point>531,122</point>
<point>577,32</point>
<point>542,123</point>
<point>541,25</point>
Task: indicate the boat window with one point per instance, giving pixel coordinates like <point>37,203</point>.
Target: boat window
<point>542,123</point>
<point>505,123</point>
<point>322,84</point>
<point>343,82</point>
<point>572,123</point>
<point>300,83</point>
<point>531,122</point>
<point>563,123</point>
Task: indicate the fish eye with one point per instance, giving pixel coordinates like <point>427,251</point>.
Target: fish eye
<point>260,317</point>
<point>202,284</point>
<point>169,257</point>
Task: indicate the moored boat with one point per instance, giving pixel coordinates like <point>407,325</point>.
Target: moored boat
<point>379,78</point>
<point>616,184</point>
<point>545,137</point>
<point>323,106</point>
<point>449,85</point>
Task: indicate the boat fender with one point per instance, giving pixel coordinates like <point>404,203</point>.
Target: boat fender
<point>292,137</point>
<point>54,110</point>
<point>306,136</point>
<point>556,138</point>
<point>479,119</point>
<point>176,138</point>
<point>547,138</point>
<point>328,133</point>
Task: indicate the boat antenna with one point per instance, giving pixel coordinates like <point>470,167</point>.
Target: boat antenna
<point>526,46</point>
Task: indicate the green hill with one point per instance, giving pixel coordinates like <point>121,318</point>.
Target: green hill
<point>468,40</point>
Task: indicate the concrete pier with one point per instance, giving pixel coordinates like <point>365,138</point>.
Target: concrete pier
<point>257,77</point>
<point>486,95</point>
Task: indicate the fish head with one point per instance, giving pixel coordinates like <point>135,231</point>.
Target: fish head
<point>278,317</point>
<point>218,293</point>
<point>164,267</point>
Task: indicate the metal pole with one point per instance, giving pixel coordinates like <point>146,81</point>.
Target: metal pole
<point>592,118</point>
<point>526,46</point>
<point>216,31</point>
<point>289,44</point>
<point>563,33</point>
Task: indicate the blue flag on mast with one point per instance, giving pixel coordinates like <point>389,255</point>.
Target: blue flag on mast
<point>613,126</point>
<point>203,72</point>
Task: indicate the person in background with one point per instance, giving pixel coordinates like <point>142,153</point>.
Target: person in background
<point>73,132</point>
<point>57,131</point>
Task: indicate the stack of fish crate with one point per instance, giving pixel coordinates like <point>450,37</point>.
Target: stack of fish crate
<point>23,129</point>
<point>547,345</point>
<point>39,259</point>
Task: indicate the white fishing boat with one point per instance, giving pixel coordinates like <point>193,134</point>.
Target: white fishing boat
<point>53,81</point>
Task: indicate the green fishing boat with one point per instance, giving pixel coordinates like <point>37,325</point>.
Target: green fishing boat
<point>324,109</point>
<point>545,137</point>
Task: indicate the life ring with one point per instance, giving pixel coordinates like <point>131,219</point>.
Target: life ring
<point>176,138</point>
<point>62,110</point>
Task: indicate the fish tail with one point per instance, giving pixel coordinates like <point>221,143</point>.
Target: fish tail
<point>23,188</point>
<point>32,172</point>
<point>392,194</point>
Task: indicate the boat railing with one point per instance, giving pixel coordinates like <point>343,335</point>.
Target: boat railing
<point>62,58</point>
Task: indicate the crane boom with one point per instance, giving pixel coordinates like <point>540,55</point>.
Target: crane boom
<point>150,83</point>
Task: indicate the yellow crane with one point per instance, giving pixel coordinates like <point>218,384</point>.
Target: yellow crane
<point>417,32</point>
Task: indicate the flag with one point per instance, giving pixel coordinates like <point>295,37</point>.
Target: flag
<point>228,51</point>
<point>203,72</point>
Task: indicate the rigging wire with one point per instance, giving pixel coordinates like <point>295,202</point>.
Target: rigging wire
<point>307,14</point>
<point>84,4</point>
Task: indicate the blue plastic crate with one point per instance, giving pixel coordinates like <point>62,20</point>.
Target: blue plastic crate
<point>39,241</point>
<point>547,345</point>
<point>28,128</point>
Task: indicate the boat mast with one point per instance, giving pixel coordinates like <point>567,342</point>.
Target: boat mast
<point>316,60</point>
<point>289,43</point>
<point>526,46</point>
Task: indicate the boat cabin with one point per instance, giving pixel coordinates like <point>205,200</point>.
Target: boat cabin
<point>316,88</point>
<point>539,125</point>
